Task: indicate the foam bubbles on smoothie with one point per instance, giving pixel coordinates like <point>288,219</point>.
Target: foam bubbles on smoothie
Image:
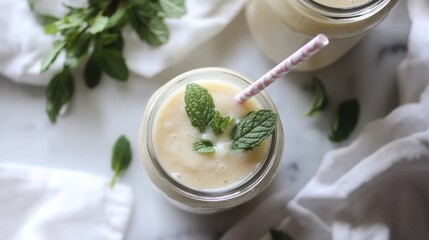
<point>176,175</point>
<point>222,149</point>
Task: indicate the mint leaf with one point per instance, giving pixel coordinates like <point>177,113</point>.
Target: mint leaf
<point>278,235</point>
<point>219,123</point>
<point>150,29</point>
<point>92,72</point>
<point>68,22</point>
<point>47,19</point>
<point>108,38</point>
<point>204,146</point>
<point>113,63</point>
<point>320,101</point>
<point>58,93</point>
<point>117,43</point>
<point>118,19</point>
<point>76,51</point>
<point>155,31</point>
<point>253,129</point>
<point>52,55</point>
<point>345,120</point>
<point>121,158</point>
<point>145,9</point>
<point>50,28</point>
<point>100,23</point>
<point>99,3</point>
<point>173,8</point>
<point>199,106</point>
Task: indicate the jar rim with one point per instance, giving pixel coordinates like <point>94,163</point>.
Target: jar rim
<point>244,186</point>
<point>365,9</point>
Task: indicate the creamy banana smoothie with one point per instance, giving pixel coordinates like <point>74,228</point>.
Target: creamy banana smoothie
<point>203,150</point>
<point>174,137</point>
<point>280,27</point>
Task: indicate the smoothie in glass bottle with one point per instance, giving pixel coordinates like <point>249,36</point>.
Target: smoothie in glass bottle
<point>281,26</point>
<point>202,167</point>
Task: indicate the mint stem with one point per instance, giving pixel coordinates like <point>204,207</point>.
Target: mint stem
<point>113,180</point>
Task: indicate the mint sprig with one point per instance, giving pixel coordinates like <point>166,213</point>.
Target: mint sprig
<point>249,133</point>
<point>219,123</point>
<point>199,106</point>
<point>253,129</point>
<point>204,146</point>
<point>95,32</point>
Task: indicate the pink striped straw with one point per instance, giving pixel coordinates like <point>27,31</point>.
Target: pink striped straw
<point>306,51</point>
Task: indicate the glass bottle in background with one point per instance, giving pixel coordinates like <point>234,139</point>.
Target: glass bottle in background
<point>280,27</point>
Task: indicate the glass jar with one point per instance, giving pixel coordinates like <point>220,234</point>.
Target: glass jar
<point>206,201</point>
<point>280,27</point>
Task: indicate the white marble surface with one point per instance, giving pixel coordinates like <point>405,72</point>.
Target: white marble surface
<point>83,138</point>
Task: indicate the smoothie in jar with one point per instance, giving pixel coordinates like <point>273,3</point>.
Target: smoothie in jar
<point>207,167</point>
<point>280,27</point>
<point>174,137</point>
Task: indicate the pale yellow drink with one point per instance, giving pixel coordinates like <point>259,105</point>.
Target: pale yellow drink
<point>174,137</point>
<point>280,27</point>
<point>202,182</point>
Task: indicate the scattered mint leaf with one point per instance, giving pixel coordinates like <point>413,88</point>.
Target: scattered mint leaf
<point>219,123</point>
<point>204,146</point>
<point>345,120</point>
<point>92,72</point>
<point>320,101</point>
<point>113,63</point>
<point>173,8</point>
<point>121,158</point>
<point>253,129</point>
<point>100,23</point>
<point>52,55</point>
<point>58,93</point>
<point>199,106</point>
<point>278,235</point>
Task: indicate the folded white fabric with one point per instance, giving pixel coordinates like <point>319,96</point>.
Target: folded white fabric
<point>44,204</point>
<point>376,188</point>
<point>24,44</point>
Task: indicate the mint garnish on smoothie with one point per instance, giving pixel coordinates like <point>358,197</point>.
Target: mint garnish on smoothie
<point>246,135</point>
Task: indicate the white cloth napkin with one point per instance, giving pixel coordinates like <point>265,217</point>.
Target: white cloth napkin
<point>47,204</point>
<point>376,188</point>
<point>23,43</point>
